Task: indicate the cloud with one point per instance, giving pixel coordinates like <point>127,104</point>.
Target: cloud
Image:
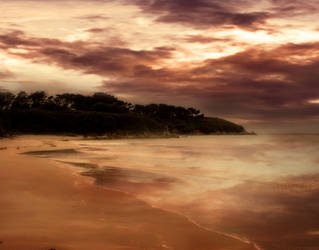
<point>204,39</point>
<point>103,60</point>
<point>108,35</point>
<point>93,17</point>
<point>257,84</point>
<point>17,39</point>
<point>244,14</point>
<point>289,8</point>
<point>6,74</point>
<point>95,30</point>
<point>90,57</point>
<point>201,13</point>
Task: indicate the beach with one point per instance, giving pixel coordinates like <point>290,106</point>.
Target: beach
<point>198,192</point>
<point>46,205</point>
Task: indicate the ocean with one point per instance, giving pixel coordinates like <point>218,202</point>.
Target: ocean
<point>262,188</point>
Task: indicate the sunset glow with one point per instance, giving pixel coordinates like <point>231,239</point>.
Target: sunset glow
<point>122,46</point>
<point>314,101</point>
<point>159,124</point>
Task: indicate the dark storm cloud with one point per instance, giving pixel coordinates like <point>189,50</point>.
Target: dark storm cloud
<point>271,79</point>
<point>286,8</point>
<point>14,38</point>
<point>202,13</point>
<point>103,60</point>
<point>254,84</point>
<point>17,39</point>
<point>89,57</point>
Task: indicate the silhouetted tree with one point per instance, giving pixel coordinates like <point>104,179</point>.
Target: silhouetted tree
<point>6,99</point>
<point>21,101</point>
<point>98,114</point>
<point>37,99</point>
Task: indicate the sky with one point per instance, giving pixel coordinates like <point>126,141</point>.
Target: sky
<point>254,62</point>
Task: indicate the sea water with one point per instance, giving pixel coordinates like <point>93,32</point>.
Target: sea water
<point>264,188</point>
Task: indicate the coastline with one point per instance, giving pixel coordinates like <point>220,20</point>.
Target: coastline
<point>47,206</point>
<point>112,136</point>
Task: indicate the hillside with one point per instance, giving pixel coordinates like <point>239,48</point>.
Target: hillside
<point>101,114</point>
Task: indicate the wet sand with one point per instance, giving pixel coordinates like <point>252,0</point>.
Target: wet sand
<point>45,206</point>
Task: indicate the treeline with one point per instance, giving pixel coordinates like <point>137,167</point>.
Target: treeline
<point>99,114</point>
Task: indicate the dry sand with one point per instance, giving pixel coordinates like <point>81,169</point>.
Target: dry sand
<point>44,206</point>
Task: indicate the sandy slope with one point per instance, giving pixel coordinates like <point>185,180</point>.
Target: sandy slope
<point>43,206</point>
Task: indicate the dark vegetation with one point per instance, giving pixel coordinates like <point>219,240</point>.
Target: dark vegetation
<point>100,114</point>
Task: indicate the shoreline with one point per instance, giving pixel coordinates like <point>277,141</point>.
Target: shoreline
<point>115,136</point>
<point>50,206</point>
